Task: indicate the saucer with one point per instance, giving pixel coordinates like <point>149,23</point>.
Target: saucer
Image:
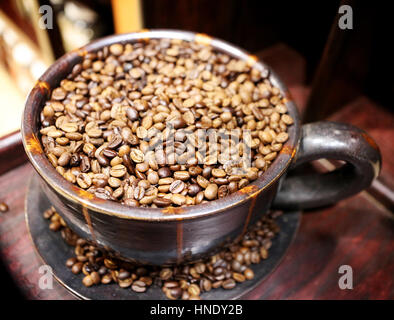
<point>54,251</point>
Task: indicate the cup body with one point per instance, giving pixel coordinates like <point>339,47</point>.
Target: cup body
<point>164,242</point>
<point>152,235</point>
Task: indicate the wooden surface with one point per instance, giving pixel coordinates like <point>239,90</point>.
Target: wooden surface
<point>355,232</point>
<point>358,231</point>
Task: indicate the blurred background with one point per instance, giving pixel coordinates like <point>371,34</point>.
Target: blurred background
<point>300,39</point>
<point>342,75</point>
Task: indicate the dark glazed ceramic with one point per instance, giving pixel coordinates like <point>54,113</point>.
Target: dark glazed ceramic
<point>53,251</point>
<point>171,235</point>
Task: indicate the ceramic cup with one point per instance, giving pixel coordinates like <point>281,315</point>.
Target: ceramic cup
<point>175,234</point>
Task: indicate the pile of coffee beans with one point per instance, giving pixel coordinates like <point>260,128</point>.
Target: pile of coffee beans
<point>163,123</point>
<point>225,269</point>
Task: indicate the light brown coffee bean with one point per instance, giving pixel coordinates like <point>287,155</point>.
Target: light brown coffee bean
<point>136,155</point>
<point>118,171</point>
<point>139,286</point>
<point>211,191</point>
<point>178,199</point>
<point>177,186</point>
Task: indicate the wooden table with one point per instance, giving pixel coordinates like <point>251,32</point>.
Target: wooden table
<point>358,232</point>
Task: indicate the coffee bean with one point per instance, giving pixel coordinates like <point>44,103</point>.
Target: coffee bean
<point>136,155</point>
<point>223,191</point>
<point>211,191</point>
<point>135,110</point>
<point>249,274</point>
<point>153,177</point>
<point>95,277</point>
<point>178,199</point>
<point>200,267</point>
<point>181,175</point>
<point>132,114</point>
<point>115,142</point>
<point>116,49</point>
<point>58,94</point>
<point>206,285</point>
<point>228,284</point>
<point>164,172</point>
<point>162,202</point>
<point>88,281</point>
<point>166,274</point>
<point>3,207</point>
<point>123,274</point>
<point>139,286</point>
<point>77,267</point>
<point>193,189</point>
<point>177,186</point>
<point>70,262</point>
<point>202,182</point>
<point>194,290</point>
<point>184,281</point>
<point>282,137</point>
<point>174,293</point>
<point>239,277</point>
<point>118,171</point>
<point>218,173</point>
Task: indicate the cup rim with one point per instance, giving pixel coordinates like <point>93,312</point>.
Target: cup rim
<point>61,67</point>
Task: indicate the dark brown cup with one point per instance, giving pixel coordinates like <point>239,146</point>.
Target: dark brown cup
<point>172,235</point>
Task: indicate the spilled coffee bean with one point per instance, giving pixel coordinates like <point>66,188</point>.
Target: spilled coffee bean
<point>188,281</point>
<point>3,207</point>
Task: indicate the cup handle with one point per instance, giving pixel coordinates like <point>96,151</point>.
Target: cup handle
<point>330,140</point>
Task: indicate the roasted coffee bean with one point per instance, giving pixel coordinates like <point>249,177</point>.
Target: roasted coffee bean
<point>77,267</point>
<point>134,112</point>
<point>182,175</point>
<point>202,182</point>
<point>206,285</point>
<point>64,159</point>
<point>115,142</point>
<point>3,207</point>
<point>178,199</point>
<point>125,283</point>
<point>194,290</point>
<point>136,155</point>
<point>239,277</point>
<point>123,275</point>
<point>193,189</point>
<point>166,274</point>
<point>118,171</point>
<point>106,279</point>
<point>211,191</point>
<point>223,191</point>
<point>249,274</point>
<point>185,281</point>
<point>88,281</point>
<point>164,172</point>
<point>95,277</point>
<point>139,286</point>
<point>177,186</point>
<point>70,262</point>
<point>228,284</point>
<point>127,163</point>
<point>55,226</point>
<point>174,293</point>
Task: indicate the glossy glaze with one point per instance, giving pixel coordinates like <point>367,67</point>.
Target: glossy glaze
<point>171,235</point>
